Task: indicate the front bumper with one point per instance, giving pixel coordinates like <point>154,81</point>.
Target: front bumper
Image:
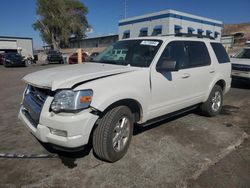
<point>78,126</point>
<point>15,64</point>
<point>241,74</point>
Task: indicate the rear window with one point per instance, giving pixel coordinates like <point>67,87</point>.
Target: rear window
<point>220,52</point>
<point>198,54</point>
<point>13,56</point>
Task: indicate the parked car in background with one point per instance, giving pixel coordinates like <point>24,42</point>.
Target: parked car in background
<point>73,59</point>
<point>99,102</point>
<point>117,54</point>
<point>241,64</point>
<point>1,59</point>
<point>54,56</point>
<point>13,60</point>
<point>92,56</point>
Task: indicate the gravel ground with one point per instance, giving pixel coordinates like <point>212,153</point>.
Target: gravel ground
<point>186,151</point>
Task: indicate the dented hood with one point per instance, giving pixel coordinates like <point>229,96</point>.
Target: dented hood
<point>69,75</point>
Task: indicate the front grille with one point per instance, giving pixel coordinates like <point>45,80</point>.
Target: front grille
<point>245,68</point>
<point>27,115</point>
<point>38,95</point>
<point>34,99</point>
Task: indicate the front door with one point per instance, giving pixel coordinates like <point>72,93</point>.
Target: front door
<point>171,91</point>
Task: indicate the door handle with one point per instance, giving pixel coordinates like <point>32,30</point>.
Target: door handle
<point>212,71</point>
<point>186,75</point>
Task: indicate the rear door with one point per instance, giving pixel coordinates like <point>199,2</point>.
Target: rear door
<point>201,68</point>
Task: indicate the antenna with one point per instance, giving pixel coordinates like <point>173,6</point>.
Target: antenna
<point>125,9</point>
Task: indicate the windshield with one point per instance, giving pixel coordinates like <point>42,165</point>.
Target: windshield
<point>13,56</point>
<point>53,52</point>
<point>139,53</point>
<point>245,53</point>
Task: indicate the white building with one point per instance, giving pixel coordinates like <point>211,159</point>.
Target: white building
<point>22,45</point>
<point>169,22</point>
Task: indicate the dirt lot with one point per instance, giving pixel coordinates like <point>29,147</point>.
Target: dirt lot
<point>186,151</point>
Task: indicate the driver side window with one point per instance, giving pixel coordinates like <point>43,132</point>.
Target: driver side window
<point>175,51</point>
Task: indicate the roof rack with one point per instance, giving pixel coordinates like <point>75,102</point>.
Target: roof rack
<point>190,35</point>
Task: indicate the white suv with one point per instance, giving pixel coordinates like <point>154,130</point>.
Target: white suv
<point>241,65</point>
<point>99,102</point>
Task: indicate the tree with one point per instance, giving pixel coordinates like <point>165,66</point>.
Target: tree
<point>58,20</point>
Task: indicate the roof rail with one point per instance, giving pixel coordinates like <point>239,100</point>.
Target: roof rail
<point>190,35</point>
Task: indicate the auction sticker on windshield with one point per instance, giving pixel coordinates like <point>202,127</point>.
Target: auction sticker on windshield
<point>150,43</point>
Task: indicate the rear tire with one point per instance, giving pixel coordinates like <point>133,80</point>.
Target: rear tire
<point>113,134</point>
<point>213,105</point>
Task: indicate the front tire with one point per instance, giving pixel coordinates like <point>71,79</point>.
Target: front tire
<point>213,105</point>
<point>113,134</point>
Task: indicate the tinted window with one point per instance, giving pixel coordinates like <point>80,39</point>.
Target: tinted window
<point>245,54</point>
<point>13,56</point>
<point>198,54</point>
<point>220,52</point>
<point>53,52</point>
<point>175,51</point>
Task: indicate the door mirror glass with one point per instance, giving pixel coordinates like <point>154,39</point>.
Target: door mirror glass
<point>167,66</point>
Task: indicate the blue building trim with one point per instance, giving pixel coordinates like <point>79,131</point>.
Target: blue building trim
<point>158,27</point>
<point>191,29</point>
<point>177,27</point>
<point>170,15</point>
<point>144,29</point>
<point>200,30</point>
<point>126,32</point>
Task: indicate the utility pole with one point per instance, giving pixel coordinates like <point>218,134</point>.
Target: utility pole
<point>125,9</point>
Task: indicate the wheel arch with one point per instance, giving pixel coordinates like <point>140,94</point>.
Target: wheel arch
<point>221,82</point>
<point>132,104</point>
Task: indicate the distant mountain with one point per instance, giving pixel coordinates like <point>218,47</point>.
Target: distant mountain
<point>240,31</point>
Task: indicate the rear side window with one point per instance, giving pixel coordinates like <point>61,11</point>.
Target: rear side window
<point>220,52</point>
<point>198,54</point>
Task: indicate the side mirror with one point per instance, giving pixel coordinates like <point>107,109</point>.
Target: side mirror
<point>167,66</point>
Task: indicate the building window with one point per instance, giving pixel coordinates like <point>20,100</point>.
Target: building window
<point>208,33</point>
<point>126,34</point>
<point>143,32</point>
<point>157,30</point>
<point>190,30</point>
<point>200,31</point>
<point>177,29</point>
<point>216,34</point>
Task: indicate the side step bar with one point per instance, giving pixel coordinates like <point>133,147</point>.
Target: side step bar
<point>167,116</point>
